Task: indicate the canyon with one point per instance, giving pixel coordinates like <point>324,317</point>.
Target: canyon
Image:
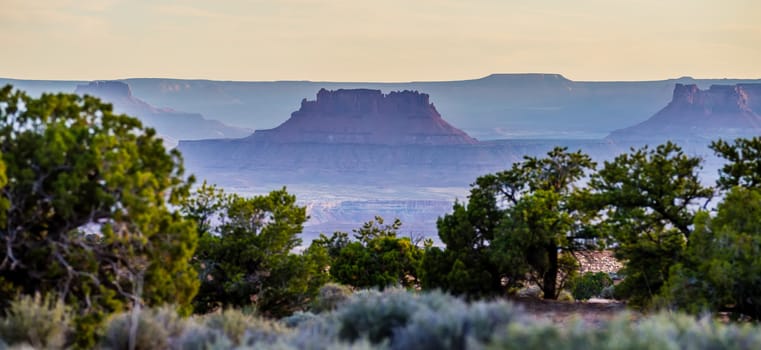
<point>408,150</point>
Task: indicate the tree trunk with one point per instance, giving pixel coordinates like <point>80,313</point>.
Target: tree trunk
<point>549,284</point>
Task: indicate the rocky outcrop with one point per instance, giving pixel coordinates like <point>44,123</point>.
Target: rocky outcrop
<point>170,124</point>
<point>720,111</point>
<point>598,261</point>
<point>363,116</point>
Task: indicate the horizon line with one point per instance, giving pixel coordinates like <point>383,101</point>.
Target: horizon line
<point>492,75</point>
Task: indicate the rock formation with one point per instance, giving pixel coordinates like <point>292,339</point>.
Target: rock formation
<point>363,116</point>
<point>170,124</point>
<point>753,95</point>
<point>721,111</point>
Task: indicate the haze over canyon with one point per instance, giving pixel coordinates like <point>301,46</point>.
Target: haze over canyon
<point>350,151</point>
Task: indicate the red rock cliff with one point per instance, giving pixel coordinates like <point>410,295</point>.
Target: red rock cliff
<point>722,110</point>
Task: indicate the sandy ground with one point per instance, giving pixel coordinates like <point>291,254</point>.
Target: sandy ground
<point>593,312</point>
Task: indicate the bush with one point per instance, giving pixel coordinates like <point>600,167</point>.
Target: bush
<point>608,292</point>
<point>665,331</point>
<point>36,321</point>
<point>167,317</point>
<point>375,315</point>
<point>299,318</point>
<point>398,319</point>
<point>150,333</point>
<point>244,329</point>
<point>589,285</point>
<point>321,333</point>
<point>421,321</point>
<point>330,296</point>
<point>565,296</point>
<point>199,337</point>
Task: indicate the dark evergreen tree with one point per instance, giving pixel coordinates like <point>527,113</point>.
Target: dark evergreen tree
<point>87,209</point>
<point>649,199</point>
<point>377,258</point>
<point>245,254</point>
<point>517,225</point>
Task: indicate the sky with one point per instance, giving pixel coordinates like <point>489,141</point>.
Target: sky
<point>379,40</point>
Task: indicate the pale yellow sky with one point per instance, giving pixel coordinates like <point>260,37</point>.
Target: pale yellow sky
<point>381,40</point>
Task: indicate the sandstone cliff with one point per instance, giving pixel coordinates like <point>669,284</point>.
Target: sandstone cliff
<point>170,124</point>
<point>364,116</point>
<point>720,111</point>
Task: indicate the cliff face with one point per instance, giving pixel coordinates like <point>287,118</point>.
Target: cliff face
<point>363,116</point>
<point>720,111</point>
<point>753,95</point>
<point>170,124</point>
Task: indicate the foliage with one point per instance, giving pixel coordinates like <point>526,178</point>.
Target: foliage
<point>590,284</point>
<point>608,292</point>
<point>196,336</point>
<point>298,318</point>
<point>516,224</point>
<point>743,166</point>
<point>393,319</point>
<point>566,296</point>
<point>667,331</point>
<point>122,334</point>
<point>421,321</point>
<point>377,257</point>
<point>88,214</point>
<point>240,328</point>
<point>36,321</point>
<point>464,267</point>
<point>245,254</point>
<point>375,315</point>
<point>331,295</point>
<point>722,266</point>
<point>648,198</point>
<point>459,326</point>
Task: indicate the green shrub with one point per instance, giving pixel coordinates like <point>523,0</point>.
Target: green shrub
<point>320,344</point>
<point>566,296</point>
<point>299,318</point>
<point>244,329</point>
<point>199,337</point>
<point>168,318</point>
<point>435,320</point>
<point>322,333</point>
<point>397,319</point>
<point>664,331</point>
<point>330,296</point>
<point>608,292</point>
<point>485,318</point>
<point>433,328</point>
<point>150,333</point>
<point>375,315</point>
<point>458,326</point>
<point>36,321</point>
<point>589,285</point>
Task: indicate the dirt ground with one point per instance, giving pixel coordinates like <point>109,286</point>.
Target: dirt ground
<point>592,313</point>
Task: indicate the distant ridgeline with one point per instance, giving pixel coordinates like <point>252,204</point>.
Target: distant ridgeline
<point>170,124</point>
<point>363,116</point>
<point>727,111</point>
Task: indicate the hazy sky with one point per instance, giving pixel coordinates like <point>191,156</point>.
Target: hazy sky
<point>380,40</point>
